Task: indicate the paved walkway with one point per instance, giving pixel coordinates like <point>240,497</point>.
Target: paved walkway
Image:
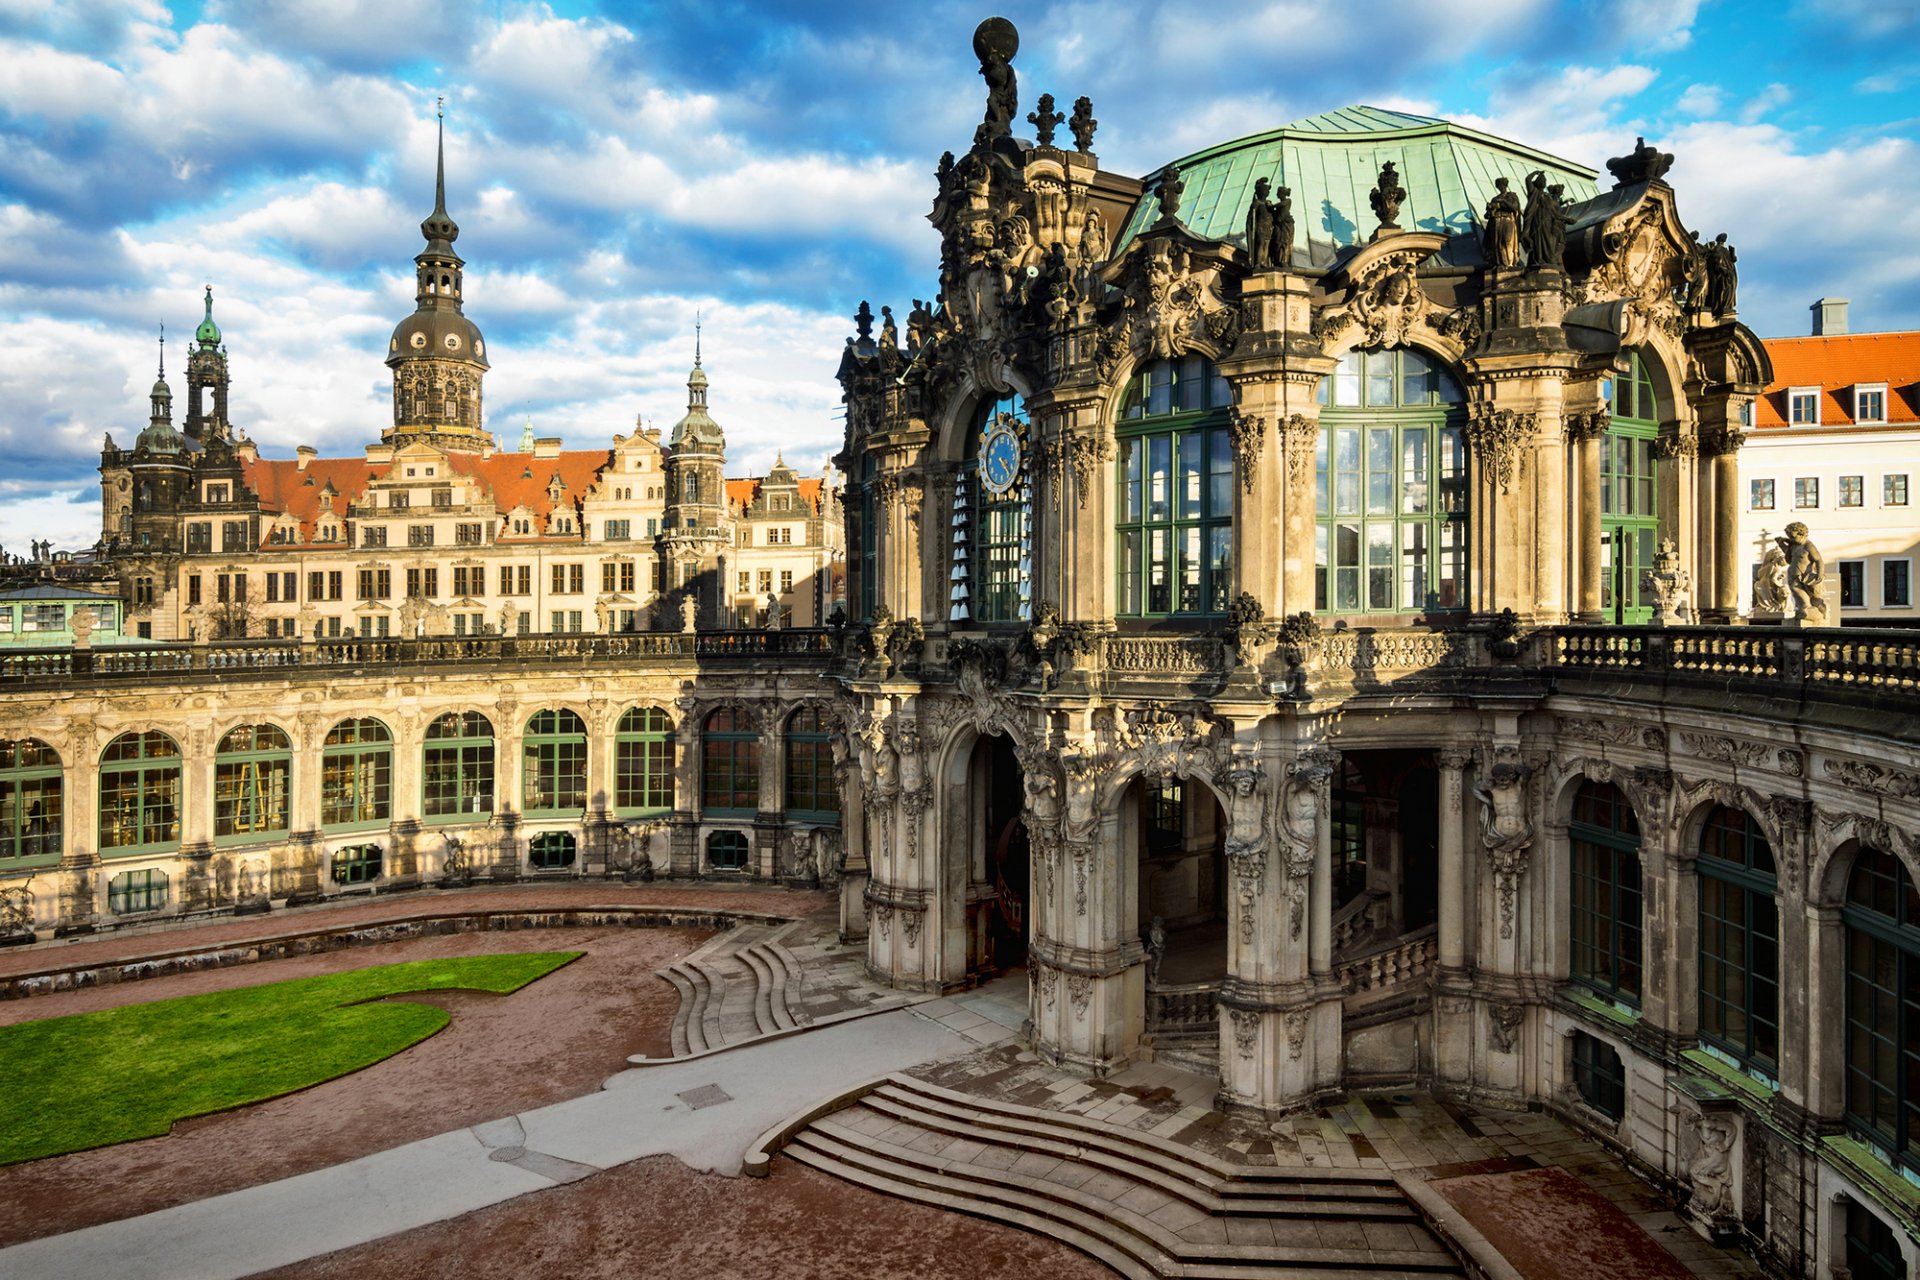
<point>705,1112</point>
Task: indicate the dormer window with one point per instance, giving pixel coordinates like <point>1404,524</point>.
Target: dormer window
<point>218,493</point>
<point>1870,402</point>
<point>1803,406</point>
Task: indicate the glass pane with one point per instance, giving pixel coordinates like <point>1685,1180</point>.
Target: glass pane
<point>1193,465</point>
<point>1219,568</point>
<point>1346,380</point>
<point>1320,567</point>
<point>1219,393</point>
<point>1380,471</point>
<point>1159,478</point>
<point>1322,491</point>
<point>1380,566</point>
<point>1413,471</point>
<point>1220,495</point>
<point>1131,456</point>
<point>1190,568</point>
<point>1130,545</point>
<point>1414,569</point>
<point>1192,385</point>
<point>1415,378</point>
<point>1380,379</point>
<point>1346,463</point>
<point>1159,573</point>
<point>1160,389</point>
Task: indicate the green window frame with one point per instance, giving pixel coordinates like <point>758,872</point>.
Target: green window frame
<point>1881,916</point>
<point>358,864</point>
<point>1629,496</point>
<point>1391,487</point>
<point>1603,845</point>
<point>553,850</point>
<point>1872,1247</point>
<point>554,764</point>
<point>137,892</point>
<point>356,775</point>
<point>1599,1077</point>
<point>996,550</point>
<point>1166,813</point>
<point>140,793</point>
<point>730,762</point>
<point>32,808</point>
<point>1176,492</point>
<point>1739,941</point>
<point>456,774</point>
<point>252,783</point>
<point>643,762</point>
<point>727,851</point>
<point>812,793</point>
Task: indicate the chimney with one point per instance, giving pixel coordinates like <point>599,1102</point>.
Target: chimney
<point>306,453</point>
<point>1829,317</point>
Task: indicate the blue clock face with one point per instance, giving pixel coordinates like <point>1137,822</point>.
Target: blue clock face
<point>1000,460</point>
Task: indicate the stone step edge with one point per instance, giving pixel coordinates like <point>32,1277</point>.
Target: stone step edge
<point>778,982</point>
<point>796,979</point>
<point>695,993</point>
<point>1453,1230</point>
<point>764,1020</point>
<point>1225,1170</point>
<point>1019,1190</point>
<point>1086,1242</point>
<point>684,991</point>
<point>1365,1197</point>
<point>905,1001</point>
<point>719,989</point>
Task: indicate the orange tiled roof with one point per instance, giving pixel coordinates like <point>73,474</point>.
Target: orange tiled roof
<point>740,493</point>
<point>281,485</point>
<point>1836,365</point>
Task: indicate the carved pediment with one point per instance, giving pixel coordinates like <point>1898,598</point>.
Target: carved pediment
<point>1384,299</point>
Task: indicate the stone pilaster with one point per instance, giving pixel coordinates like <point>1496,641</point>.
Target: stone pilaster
<point>1720,442</point>
<point>1586,431</point>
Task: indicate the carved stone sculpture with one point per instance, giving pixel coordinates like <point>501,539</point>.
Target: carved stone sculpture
<point>1711,1168</point>
<point>1044,120</point>
<point>1506,831</point>
<point>1770,582</point>
<point>1642,164</point>
<point>1156,949</point>
<point>1543,232</point>
<point>1170,189</point>
<point>1502,235</point>
<point>1283,228</point>
<point>1093,238</point>
<point>1805,568</point>
<point>1670,585</point>
<point>1723,277</point>
<point>995,42</point>
<point>16,913</point>
<point>1083,124</point>
<point>1387,196</point>
<point>1260,228</point>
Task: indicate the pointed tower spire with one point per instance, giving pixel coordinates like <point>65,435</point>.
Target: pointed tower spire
<point>163,351</point>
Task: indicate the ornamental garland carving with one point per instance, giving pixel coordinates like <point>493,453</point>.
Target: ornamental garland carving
<point>1246,1029</point>
<point>1667,448</point>
<point>1299,440</point>
<point>1249,433</point>
<point>1861,776</point>
<point>1706,746</point>
<point>1588,426</point>
<point>1612,732</point>
<point>1505,828</point>
<point>1497,437</point>
<point>1384,304</point>
<point>1462,324</point>
<point>1297,1020</point>
<point>1079,994</point>
<point>1086,450</point>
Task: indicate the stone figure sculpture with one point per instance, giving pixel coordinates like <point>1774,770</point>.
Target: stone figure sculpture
<point>1171,187</point>
<point>1083,124</point>
<point>1156,948</point>
<point>1770,582</point>
<point>1543,231</point>
<point>889,333</point>
<point>1723,277</point>
<point>1669,585</point>
<point>1283,228</point>
<point>1093,239</point>
<point>1691,292</point>
<point>1502,235</point>
<point>996,41</point>
<point>1260,228</point>
<point>1711,1169</point>
<point>1504,826</point>
<point>1387,196</point>
<point>1805,568</point>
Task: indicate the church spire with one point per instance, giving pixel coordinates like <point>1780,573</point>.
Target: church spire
<point>439,228</point>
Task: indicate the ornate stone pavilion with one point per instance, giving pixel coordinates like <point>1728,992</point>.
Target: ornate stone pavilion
<point>1250,556</point>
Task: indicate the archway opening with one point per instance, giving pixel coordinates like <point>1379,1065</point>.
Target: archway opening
<point>1386,850</point>
<point>1177,835</point>
<point>1000,871</point>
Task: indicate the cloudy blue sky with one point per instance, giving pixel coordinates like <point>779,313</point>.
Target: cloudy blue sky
<point>617,167</point>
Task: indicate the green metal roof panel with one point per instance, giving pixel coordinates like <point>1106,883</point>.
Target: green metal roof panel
<point>1331,162</point>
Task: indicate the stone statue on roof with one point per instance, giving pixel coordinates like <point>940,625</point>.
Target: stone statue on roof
<point>1260,228</point>
<point>1642,164</point>
<point>1044,120</point>
<point>996,41</point>
<point>1723,277</point>
<point>1502,234</point>
<point>1170,189</point>
<point>1805,568</point>
<point>1543,230</point>
<point>1387,196</point>
<point>1083,124</point>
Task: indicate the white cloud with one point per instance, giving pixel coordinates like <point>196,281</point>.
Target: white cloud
<point>1700,100</point>
<point>1765,103</point>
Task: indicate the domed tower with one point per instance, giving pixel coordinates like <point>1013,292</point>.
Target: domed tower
<point>207,371</point>
<point>437,355</point>
<point>159,469</point>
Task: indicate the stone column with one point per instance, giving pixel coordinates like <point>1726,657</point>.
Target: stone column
<point>1500,445</point>
<point>509,734</point>
<point>79,904</point>
<point>1792,821</point>
<point>1722,446</point>
<point>1452,855</point>
<point>1825,1024</point>
<point>1299,442</point>
<point>1551,529</point>
<point>1587,431</point>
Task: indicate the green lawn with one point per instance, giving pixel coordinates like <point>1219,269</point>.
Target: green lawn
<point>93,1079</point>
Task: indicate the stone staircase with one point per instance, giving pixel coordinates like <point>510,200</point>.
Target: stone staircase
<point>1145,1205</point>
<point>741,985</point>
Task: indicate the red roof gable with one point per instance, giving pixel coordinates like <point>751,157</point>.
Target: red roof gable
<point>740,493</point>
<point>1837,365</point>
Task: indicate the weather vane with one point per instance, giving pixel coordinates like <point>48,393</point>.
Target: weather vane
<point>440,106</point>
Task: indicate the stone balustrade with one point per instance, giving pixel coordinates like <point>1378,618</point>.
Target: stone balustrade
<point>1390,969</point>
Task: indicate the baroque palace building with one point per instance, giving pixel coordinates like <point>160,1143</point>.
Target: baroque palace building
<point>1263,579</point>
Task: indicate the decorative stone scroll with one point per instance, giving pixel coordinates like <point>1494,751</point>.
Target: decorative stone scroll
<point>1297,1020</point>
<point>1498,437</point>
<point>1299,439</point>
<point>1249,434</point>
<point>1246,1031</point>
<point>1505,828</point>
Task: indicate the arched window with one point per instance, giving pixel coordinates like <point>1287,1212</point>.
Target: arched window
<point>31,795</point>
<point>811,792</point>
<point>252,773</point>
<point>1391,476</point>
<point>1629,498</point>
<point>554,758</point>
<point>552,850</point>
<point>1175,527</point>
<point>730,762</point>
<point>1739,941</point>
<point>727,851</point>
<point>457,766</point>
<point>140,793</point>
<point>1604,847</point>
<point>643,762</point>
<point>992,552</point>
<point>356,775</point>
<point>1882,919</point>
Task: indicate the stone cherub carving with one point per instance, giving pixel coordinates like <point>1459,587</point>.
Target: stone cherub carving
<point>1506,830</point>
<point>1171,187</point>
<point>1300,832</point>
<point>1502,235</point>
<point>1669,585</point>
<point>1805,568</point>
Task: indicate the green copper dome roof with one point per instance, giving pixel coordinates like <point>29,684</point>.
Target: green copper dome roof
<point>208,334</point>
<point>1331,162</point>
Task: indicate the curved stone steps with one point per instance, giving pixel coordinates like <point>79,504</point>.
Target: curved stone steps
<point>737,987</point>
<point>1142,1204</point>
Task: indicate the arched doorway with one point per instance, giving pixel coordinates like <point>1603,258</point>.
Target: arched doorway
<point>1000,861</point>
<point>1176,836</point>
